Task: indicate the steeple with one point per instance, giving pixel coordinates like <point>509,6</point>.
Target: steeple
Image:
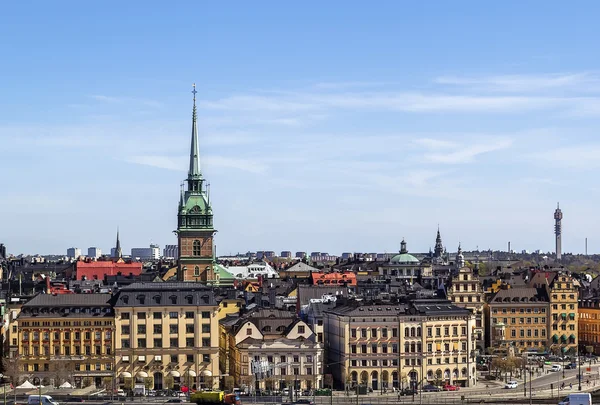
<point>118,252</point>
<point>194,174</point>
<point>403,247</point>
<point>439,247</point>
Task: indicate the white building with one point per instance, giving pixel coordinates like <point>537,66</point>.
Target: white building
<point>149,253</point>
<point>252,271</point>
<point>73,253</point>
<point>94,252</point>
<point>171,251</point>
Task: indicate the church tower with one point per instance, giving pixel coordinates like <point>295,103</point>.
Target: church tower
<point>195,230</point>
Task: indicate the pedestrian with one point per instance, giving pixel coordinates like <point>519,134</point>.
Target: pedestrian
<point>570,386</point>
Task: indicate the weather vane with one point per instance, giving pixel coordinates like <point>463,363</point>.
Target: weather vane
<point>194,91</point>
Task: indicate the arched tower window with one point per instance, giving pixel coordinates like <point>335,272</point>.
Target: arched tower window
<point>196,271</point>
<point>196,248</point>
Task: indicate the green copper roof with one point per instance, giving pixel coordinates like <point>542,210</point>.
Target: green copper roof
<point>404,258</point>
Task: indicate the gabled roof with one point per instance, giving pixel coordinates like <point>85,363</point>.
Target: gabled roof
<point>300,267</point>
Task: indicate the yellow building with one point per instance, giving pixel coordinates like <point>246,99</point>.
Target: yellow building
<point>166,335</point>
<point>563,311</point>
<point>67,338</point>
<point>519,318</point>
<point>466,291</point>
<point>589,326</point>
<point>427,341</point>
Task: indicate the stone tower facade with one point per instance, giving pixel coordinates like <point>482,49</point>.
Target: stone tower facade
<point>195,230</point>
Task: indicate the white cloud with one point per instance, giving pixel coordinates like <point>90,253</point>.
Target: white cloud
<point>579,157</point>
<point>434,143</point>
<point>468,152</point>
<point>526,83</point>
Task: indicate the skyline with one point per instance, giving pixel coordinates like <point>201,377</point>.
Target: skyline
<point>345,129</point>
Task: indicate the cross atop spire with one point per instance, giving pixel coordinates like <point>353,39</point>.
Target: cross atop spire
<point>194,174</point>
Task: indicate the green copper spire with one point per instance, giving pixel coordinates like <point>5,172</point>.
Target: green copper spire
<point>194,172</point>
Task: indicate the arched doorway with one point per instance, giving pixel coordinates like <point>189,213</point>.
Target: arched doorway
<point>364,378</point>
<point>375,380</point>
<point>413,376</point>
<point>354,378</point>
<point>158,381</point>
<point>385,379</point>
<point>395,382</point>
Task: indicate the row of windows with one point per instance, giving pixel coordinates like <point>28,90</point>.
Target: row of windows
<point>173,359</point>
<point>563,317</point>
<point>586,327</point>
<point>408,348</point>
<point>158,328</point>
<point>469,299</point>
<point>563,306</point>
<point>378,363</point>
<point>466,287</point>
<point>158,342</point>
<point>521,310</point>
<point>563,327</point>
<point>66,351</point>
<point>364,333</point>
<point>63,323</point>
<point>521,321</point>
<point>563,296</point>
<point>35,335</point>
<point>283,359</point>
<point>78,367</point>
<point>528,333</point>
<point>172,315</point>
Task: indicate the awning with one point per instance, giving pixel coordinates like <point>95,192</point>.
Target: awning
<point>126,374</point>
<point>191,373</point>
<point>142,374</point>
<point>175,373</point>
<point>572,336</point>
<point>572,315</point>
<point>206,373</point>
<point>564,337</point>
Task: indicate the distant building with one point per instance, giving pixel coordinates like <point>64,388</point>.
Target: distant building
<point>149,253</point>
<point>171,251</point>
<point>300,255</point>
<point>347,255</point>
<point>2,251</point>
<point>286,254</point>
<point>73,253</point>
<point>269,254</point>
<point>94,252</point>
<point>96,270</point>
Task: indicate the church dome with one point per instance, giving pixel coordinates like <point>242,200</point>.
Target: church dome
<point>404,257</point>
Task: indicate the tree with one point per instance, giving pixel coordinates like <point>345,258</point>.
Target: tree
<point>86,382</point>
<point>228,383</point>
<point>13,369</point>
<point>107,382</point>
<point>62,371</point>
<point>149,382</point>
<point>169,381</point>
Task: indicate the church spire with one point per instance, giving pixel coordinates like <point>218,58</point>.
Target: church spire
<point>194,172</point>
<point>118,252</point>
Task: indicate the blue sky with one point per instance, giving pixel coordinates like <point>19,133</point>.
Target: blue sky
<point>329,126</point>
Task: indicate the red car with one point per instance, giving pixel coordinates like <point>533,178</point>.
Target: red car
<point>449,387</point>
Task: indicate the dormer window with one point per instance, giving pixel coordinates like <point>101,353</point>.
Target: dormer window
<point>189,299</point>
<point>267,328</point>
<point>173,299</point>
<point>205,299</point>
<point>125,299</point>
<point>141,298</point>
<point>156,299</point>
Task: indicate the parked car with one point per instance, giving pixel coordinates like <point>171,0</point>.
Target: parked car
<point>556,367</point>
<point>571,366</point>
<point>579,398</point>
<point>449,387</point>
<point>511,384</point>
<point>120,393</point>
<point>408,392</point>
<point>304,402</point>
<point>431,388</point>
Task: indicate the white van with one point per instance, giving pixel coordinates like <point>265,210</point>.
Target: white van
<point>556,367</point>
<point>511,385</point>
<point>581,398</point>
<point>41,399</point>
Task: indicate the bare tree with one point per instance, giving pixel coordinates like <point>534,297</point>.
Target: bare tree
<point>13,369</point>
<point>62,371</point>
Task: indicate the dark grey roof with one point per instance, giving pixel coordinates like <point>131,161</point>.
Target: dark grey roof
<point>69,300</point>
<point>422,307</point>
<point>307,292</point>
<point>165,294</point>
<point>520,295</point>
